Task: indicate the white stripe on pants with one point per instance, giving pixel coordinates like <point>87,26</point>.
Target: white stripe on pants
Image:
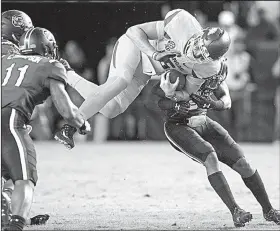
<point>180,148</point>
<point>19,144</point>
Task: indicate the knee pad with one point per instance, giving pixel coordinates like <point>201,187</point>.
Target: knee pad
<point>241,163</point>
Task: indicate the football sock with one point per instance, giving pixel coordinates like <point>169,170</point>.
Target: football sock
<point>220,185</point>
<point>80,84</point>
<point>255,184</point>
<point>16,223</point>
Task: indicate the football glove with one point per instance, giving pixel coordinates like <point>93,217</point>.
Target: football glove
<point>207,103</point>
<point>164,56</point>
<point>85,128</point>
<point>182,107</point>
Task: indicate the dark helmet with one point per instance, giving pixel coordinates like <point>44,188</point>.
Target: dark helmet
<point>216,41</point>
<point>38,41</point>
<point>13,24</point>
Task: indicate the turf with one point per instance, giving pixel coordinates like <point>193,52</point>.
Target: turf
<point>142,186</point>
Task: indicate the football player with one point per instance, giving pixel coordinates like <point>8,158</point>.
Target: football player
<point>13,24</point>
<point>178,42</point>
<point>28,79</point>
<point>191,132</point>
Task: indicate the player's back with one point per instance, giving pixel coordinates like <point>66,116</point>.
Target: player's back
<point>23,81</point>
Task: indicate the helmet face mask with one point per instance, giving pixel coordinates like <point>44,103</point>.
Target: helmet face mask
<point>209,45</point>
<point>196,50</point>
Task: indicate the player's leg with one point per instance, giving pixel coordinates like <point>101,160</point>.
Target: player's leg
<point>230,153</point>
<point>125,59</point>
<point>120,89</point>
<point>190,142</point>
<point>19,157</point>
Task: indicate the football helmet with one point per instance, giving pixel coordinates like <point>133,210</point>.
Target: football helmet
<point>38,41</point>
<point>207,46</point>
<point>13,24</point>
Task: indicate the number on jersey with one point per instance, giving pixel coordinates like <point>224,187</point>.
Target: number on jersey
<point>21,74</point>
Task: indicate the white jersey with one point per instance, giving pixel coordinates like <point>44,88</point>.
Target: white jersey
<point>174,33</point>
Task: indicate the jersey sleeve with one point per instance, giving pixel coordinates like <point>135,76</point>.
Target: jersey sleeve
<point>179,22</point>
<point>57,71</point>
<point>206,70</point>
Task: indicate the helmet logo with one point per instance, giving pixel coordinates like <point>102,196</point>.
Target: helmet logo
<point>17,21</point>
<point>170,45</point>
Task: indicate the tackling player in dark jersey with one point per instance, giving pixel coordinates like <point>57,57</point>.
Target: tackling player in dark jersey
<point>191,132</point>
<point>13,24</point>
<point>28,79</point>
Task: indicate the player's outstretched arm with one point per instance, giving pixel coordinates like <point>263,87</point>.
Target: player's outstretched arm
<point>64,105</point>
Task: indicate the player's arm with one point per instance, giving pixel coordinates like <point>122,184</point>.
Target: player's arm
<point>64,105</point>
<point>222,94</point>
<point>56,83</point>
<point>223,101</point>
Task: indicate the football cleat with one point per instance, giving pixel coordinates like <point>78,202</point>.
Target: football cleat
<point>6,209</point>
<point>240,217</point>
<point>272,215</point>
<point>39,219</point>
<point>65,136</point>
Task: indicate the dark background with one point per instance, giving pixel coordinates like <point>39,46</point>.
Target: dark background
<point>91,24</point>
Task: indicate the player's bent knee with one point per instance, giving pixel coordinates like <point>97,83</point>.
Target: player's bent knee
<point>243,167</point>
<point>212,162</point>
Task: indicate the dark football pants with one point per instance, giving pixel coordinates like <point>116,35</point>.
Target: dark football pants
<point>198,141</point>
<point>18,152</point>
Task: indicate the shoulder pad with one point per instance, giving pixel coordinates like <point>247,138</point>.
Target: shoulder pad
<point>8,47</point>
<point>58,71</point>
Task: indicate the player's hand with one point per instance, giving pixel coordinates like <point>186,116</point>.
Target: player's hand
<point>164,56</point>
<point>168,88</point>
<point>65,63</point>
<point>182,107</point>
<point>207,103</point>
<point>85,128</point>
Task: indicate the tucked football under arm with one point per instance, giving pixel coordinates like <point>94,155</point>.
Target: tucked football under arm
<point>192,85</point>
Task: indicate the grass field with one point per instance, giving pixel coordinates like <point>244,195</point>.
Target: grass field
<point>142,186</point>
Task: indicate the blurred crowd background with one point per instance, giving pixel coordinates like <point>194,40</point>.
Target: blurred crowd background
<point>87,31</point>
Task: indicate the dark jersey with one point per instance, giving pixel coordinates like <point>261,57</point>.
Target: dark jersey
<point>172,114</point>
<point>7,47</point>
<point>24,81</point>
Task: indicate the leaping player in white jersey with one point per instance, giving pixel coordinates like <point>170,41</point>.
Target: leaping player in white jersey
<point>178,42</point>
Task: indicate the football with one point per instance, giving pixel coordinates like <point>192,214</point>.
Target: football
<point>173,74</point>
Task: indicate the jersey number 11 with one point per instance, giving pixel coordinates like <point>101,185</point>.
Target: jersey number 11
<point>22,71</point>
